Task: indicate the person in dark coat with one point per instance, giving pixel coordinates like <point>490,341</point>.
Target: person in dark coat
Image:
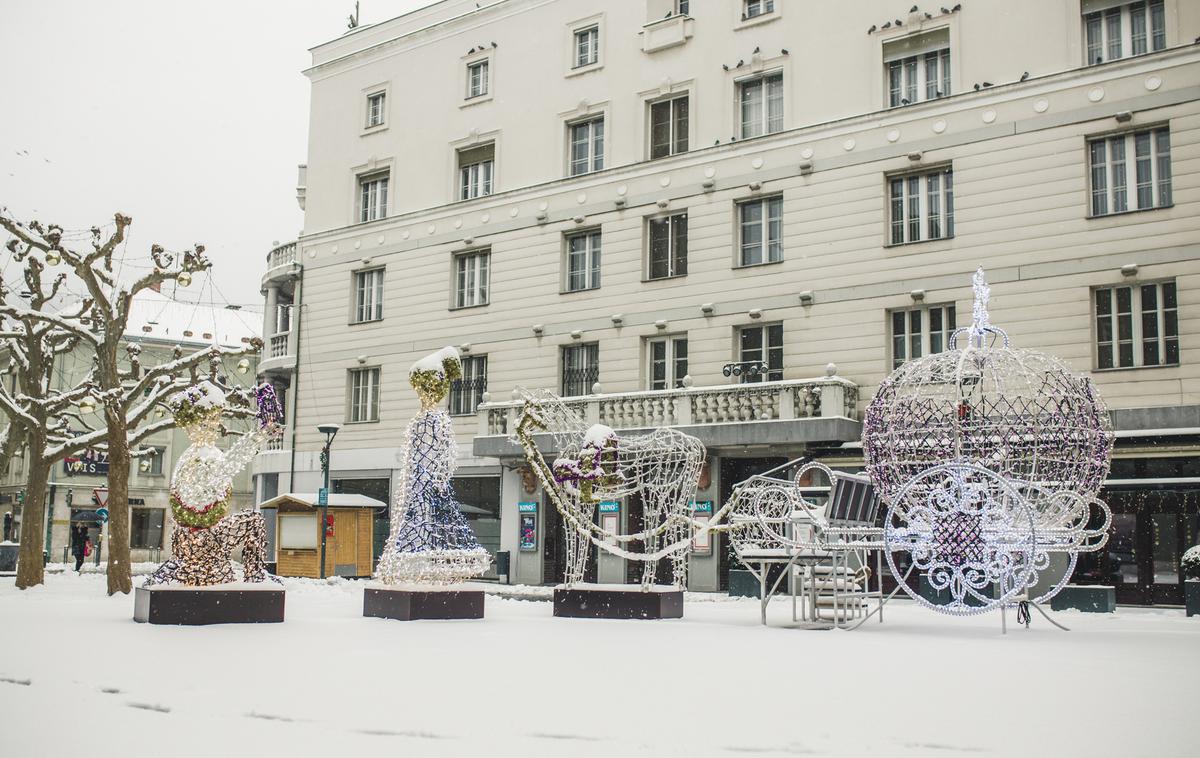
<point>79,539</point>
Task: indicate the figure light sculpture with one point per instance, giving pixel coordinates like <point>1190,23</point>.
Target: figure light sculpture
<point>206,534</point>
<point>988,459</point>
<point>658,468</point>
<point>431,545</point>
<point>202,487</point>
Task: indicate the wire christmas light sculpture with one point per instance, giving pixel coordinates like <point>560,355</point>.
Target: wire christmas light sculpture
<point>989,460</point>
<point>659,468</point>
<point>202,486</point>
<point>430,541</point>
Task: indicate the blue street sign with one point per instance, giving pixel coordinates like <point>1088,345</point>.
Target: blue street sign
<point>610,506</point>
<point>526,507</point>
<point>102,514</point>
<point>702,506</point>
<point>323,497</point>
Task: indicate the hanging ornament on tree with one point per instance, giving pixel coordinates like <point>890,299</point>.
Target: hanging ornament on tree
<point>184,278</point>
<point>53,257</point>
<point>431,541</point>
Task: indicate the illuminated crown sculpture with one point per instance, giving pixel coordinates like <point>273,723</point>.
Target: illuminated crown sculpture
<point>990,458</point>
<point>431,541</point>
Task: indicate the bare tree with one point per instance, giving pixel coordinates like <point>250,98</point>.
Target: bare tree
<point>124,391</point>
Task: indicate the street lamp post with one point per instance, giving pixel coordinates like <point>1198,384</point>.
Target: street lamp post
<point>330,431</point>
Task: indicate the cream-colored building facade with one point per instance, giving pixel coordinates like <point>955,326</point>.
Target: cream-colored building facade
<point>632,202</point>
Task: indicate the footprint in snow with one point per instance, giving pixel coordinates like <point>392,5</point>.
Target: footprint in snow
<point>267,716</point>
<point>390,733</point>
<point>150,707</point>
<point>110,690</point>
<point>10,680</point>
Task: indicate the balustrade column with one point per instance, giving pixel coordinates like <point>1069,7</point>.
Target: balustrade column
<point>833,400</point>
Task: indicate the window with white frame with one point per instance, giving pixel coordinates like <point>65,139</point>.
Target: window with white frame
<point>583,261</point>
<point>475,171</point>
<point>917,332</point>
<point>761,344</point>
<point>668,237</point>
<point>477,78</point>
<point>1130,171</point>
<point>372,197</point>
<point>669,127</point>
<point>666,362</point>
<point>917,68</point>
<point>756,8</point>
<point>466,393</point>
<point>580,369</point>
<point>376,104</point>
<point>471,273</point>
<point>760,233</point>
<point>586,146</point>
<point>587,46</point>
<point>364,395</point>
<point>283,318</point>
<point>760,102</point>
<point>1114,30</point>
<point>1137,325</point>
<point>368,295</point>
<point>682,7</point>
<point>921,206</point>
<point>154,460</point>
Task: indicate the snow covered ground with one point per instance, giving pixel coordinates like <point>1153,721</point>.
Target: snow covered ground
<point>78,676</point>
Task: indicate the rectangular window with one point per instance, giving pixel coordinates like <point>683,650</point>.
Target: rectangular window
<point>761,231</point>
<point>375,108</point>
<point>477,79</point>
<point>475,170</point>
<point>682,7</point>
<point>373,197</point>
<point>756,8</point>
<point>667,362</point>
<point>146,528</point>
<point>580,369</point>
<point>1124,30</point>
<point>467,393</point>
<point>668,246</point>
<point>364,395</point>
<point>669,127</point>
<point>155,461</point>
<point>283,318</point>
<point>1120,184</point>
<point>920,331</point>
<point>586,146</point>
<point>917,68</point>
<point>471,279</point>
<point>921,206</point>
<point>1137,325</point>
<point>761,344</point>
<point>583,261</point>
<point>368,295</point>
<point>587,46</point>
<point>761,104</point>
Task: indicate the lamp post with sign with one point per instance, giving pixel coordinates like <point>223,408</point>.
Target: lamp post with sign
<point>330,431</point>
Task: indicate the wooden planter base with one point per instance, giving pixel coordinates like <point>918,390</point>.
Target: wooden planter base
<point>607,603</point>
<point>219,604</point>
<point>414,605</point>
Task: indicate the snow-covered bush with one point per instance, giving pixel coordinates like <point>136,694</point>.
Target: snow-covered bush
<point>1190,565</point>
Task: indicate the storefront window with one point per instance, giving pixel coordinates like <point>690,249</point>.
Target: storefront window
<point>146,528</point>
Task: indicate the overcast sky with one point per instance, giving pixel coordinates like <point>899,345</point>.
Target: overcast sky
<point>191,117</point>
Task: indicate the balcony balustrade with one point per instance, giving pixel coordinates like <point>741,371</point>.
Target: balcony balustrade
<point>279,346</point>
<point>282,255</point>
<point>830,396</point>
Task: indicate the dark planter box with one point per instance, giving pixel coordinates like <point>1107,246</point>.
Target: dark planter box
<point>415,605</point>
<point>942,597</point>
<point>587,603</point>
<point>1087,598</point>
<point>1191,597</point>
<point>198,606</point>
<point>742,583</point>
<point>8,557</point>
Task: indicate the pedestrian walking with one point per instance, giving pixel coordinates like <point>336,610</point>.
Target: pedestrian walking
<point>79,545</point>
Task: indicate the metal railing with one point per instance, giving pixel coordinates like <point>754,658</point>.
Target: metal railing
<point>721,404</point>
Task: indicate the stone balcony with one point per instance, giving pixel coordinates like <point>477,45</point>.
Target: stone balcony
<point>279,354</point>
<point>790,412</point>
<point>283,264</point>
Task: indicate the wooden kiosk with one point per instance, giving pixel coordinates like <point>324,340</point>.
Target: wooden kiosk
<point>293,523</point>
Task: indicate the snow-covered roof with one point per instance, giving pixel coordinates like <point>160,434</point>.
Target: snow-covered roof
<point>335,500</point>
<point>189,323</point>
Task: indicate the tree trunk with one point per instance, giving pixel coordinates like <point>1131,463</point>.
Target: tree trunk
<point>119,576</point>
<point>30,569</point>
